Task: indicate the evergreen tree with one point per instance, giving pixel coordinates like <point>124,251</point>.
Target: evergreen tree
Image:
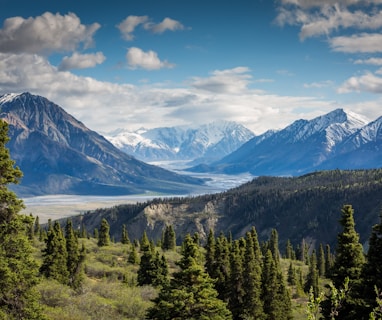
<point>252,304</point>
<point>210,254</point>
<point>37,227</point>
<point>55,256</point>
<point>348,265</point>
<point>221,267</point>
<point>274,245</point>
<point>275,295</point>
<point>292,277</point>
<point>190,293</point>
<point>328,261</point>
<point>372,271</point>
<point>169,238</point>
<point>125,236</point>
<point>104,234</point>
<point>289,254</point>
<point>236,283</point>
<point>321,263</point>
<point>349,258</point>
<point>312,277</point>
<point>133,257</point>
<point>76,257</point>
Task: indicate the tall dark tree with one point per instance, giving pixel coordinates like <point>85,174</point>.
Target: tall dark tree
<point>221,267</point>
<point>125,236</point>
<point>348,265</point>
<point>372,271</point>
<point>18,270</point>
<point>76,257</point>
<point>104,234</point>
<point>236,283</point>
<point>252,304</point>
<point>191,293</point>
<point>210,253</point>
<point>312,276</point>
<point>55,256</point>
<point>321,263</point>
<point>169,238</point>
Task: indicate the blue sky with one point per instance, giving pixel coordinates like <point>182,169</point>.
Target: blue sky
<point>152,63</point>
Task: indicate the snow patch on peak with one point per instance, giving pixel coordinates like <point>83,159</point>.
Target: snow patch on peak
<point>8,97</point>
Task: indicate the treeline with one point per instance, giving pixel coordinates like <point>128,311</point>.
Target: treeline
<point>299,208</point>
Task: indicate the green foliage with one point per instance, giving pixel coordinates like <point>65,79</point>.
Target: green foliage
<point>125,236</point>
<point>190,294</point>
<point>169,238</point>
<point>18,269</point>
<point>104,234</point>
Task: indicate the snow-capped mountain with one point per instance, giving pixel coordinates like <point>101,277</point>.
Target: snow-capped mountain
<point>204,143</point>
<point>303,146</point>
<point>59,154</point>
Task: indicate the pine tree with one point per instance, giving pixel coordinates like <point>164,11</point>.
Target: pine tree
<point>76,257</point>
<point>55,256</point>
<point>321,263</point>
<point>210,254</point>
<point>133,255</point>
<point>348,265</point>
<point>312,277</point>
<point>190,294</point>
<point>236,281</point>
<point>349,258</point>
<point>221,267</point>
<point>372,271</point>
<point>275,295</point>
<point>104,234</point>
<point>328,261</point>
<point>125,236</point>
<point>169,238</point>
<point>252,304</point>
<point>289,254</point>
<point>37,227</point>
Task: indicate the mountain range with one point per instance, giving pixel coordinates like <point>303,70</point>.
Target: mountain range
<point>337,140</point>
<point>60,155</point>
<point>198,144</point>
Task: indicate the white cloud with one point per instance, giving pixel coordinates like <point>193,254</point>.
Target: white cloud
<point>321,84</point>
<point>45,34</point>
<point>224,81</point>
<point>365,83</point>
<point>137,58</point>
<point>166,24</point>
<point>127,26</point>
<point>323,17</point>
<point>81,61</point>
<point>104,106</point>
<point>364,42</point>
<point>372,61</point>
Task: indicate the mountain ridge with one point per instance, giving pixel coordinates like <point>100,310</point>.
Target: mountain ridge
<point>59,154</point>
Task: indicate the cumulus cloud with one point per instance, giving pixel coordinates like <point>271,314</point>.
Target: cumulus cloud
<point>367,82</point>
<point>128,26</point>
<point>233,80</point>
<point>166,24</point>
<point>323,17</point>
<point>45,34</point>
<point>104,106</point>
<point>81,61</point>
<point>149,60</point>
<point>358,43</point>
<point>372,61</point>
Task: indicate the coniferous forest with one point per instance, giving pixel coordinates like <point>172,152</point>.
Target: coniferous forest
<point>58,271</point>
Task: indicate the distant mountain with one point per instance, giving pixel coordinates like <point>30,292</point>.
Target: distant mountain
<point>59,154</point>
<point>339,139</point>
<point>204,143</point>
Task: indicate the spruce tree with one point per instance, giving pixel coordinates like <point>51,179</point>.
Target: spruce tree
<point>76,257</point>
<point>348,265</point>
<point>372,271</point>
<point>190,293</point>
<point>252,304</point>
<point>104,234</point>
<point>133,257</point>
<point>210,253</point>
<point>18,270</point>
<point>312,277</point>
<point>169,238</point>
<point>55,255</point>
<point>236,282</point>
<point>221,267</point>
<point>125,236</point>
<point>321,263</point>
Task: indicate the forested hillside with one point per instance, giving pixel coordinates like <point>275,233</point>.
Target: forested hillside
<point>305,207</point>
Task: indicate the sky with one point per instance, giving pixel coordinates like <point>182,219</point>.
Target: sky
<point>161,63</point>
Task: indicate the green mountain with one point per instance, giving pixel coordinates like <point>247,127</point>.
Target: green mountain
<point>306,207</point>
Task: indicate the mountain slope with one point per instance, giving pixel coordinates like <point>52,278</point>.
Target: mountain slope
<point>208,142</point>
<point>58,154</point>
<point>301,147</point>
<point>305,207</point>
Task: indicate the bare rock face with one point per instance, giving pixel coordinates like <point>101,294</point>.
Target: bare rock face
<point>60,155</point>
